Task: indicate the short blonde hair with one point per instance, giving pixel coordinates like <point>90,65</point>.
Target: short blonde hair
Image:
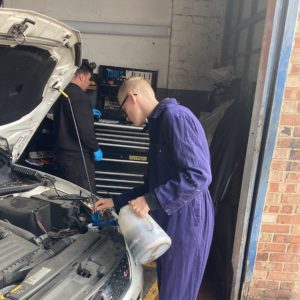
<point>136,85</point>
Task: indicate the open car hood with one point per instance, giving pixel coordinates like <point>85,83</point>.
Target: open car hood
<point>37,55</point>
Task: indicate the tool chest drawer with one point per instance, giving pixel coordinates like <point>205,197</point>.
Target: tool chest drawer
<point>125,160</point>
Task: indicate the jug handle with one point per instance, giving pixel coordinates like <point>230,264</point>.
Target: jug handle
<point>146,218</point>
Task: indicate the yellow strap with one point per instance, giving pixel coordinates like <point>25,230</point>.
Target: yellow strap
<point>153,292</point>
<point>151,264</point>
<point>63,93</point>
<point>14,290</point>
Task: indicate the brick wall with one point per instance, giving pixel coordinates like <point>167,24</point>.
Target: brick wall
<point>277,268</point>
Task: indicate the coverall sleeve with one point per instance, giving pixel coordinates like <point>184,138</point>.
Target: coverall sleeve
<point>187,151</point>
<point>122,200</point>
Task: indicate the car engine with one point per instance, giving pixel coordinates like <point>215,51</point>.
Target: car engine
<point>48,251</point>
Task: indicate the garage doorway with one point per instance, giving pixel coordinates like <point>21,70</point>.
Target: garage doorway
<point>261,35</point>
<point>253,44</point>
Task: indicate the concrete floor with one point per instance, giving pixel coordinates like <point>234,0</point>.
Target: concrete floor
<point>208,291</point>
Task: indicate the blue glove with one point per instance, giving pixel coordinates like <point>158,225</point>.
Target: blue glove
<point>97,113</point>
<point>98,155</point>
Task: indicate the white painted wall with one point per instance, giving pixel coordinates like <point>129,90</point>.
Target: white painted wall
<point>196,40</point>
<point>185,44</point>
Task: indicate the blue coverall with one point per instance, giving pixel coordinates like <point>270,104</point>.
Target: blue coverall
<point>179,175</point>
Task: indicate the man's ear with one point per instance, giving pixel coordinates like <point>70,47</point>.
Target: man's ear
<point>81,76</point>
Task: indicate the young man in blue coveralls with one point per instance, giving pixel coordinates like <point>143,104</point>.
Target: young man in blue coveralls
<point>176,192</point>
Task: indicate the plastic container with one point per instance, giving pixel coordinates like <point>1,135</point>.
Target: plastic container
<point>145,239</point>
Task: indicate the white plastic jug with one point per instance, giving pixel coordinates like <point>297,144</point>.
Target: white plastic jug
<point>145,239</point>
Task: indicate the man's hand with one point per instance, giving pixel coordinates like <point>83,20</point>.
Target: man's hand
<point>103,204</point>
<point>140,206</point>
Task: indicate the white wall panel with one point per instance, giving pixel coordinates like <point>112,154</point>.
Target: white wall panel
<point>116,11</point>
<point>197,29</point>
<point>184,44</point>
<point>133,52</point>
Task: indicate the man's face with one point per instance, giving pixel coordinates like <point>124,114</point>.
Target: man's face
<point>130,104</point>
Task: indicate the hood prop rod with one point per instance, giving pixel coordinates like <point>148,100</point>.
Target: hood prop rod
<point>79,142</point>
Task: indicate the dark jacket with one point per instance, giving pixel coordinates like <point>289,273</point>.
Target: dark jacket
<point>66,138</point>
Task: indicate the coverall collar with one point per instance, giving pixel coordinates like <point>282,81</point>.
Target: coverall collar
<point>161,107</point>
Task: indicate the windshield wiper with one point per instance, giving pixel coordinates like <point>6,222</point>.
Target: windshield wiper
<point>19,188</point>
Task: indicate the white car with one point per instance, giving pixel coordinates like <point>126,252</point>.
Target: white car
<point>47,249</point>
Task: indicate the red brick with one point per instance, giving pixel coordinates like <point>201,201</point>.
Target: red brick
<point>290,198</point>
<point>268,266</point>
<point>287,285</point>
<point>269,284</point>
<point>295,229</point>
<point>288,143</point>
<point>291,239</point>
<point>275,228</point>
<point>281,257</point>
<point>288,209</point>
<point>274,187</point>
<point>295,54</point>
<point>286,131</point>
<point>297,132</point>
<point>291,268</point>
<point>279,165</point>
<point>260,247</point>
<point>260,275</point>
<point>291,177</point>
<point>288,107</point>
<point>273,208</point>
<point>262,256</point>
<point>281,153</point>
<point>276,176</point>
<point>282,276</point>
<point>293,166</point>
<point>297,25</point>
<point>273,198</point>
<point>293,80</point>
<point>297,42</point>
<point>291,188</point>
<point>269,294</point>
<point>295,155</point>
<point>287,219</point>
<point>257,293</point>
<point>266,237</point>
<point>294,248</point>
<point>275,248</point>
<point>295,69</point>
<point>255,298</point>
<point>279,294</point>
<point>290,119</point>
<point>291,94</point>
<point>278,238</point>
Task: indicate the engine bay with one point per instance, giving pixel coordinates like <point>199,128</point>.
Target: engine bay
<point>46,242</point>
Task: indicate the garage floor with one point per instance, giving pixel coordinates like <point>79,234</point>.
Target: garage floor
<point>209,289</point>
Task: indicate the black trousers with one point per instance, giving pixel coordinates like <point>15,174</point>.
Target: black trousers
<point>71,167</point>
